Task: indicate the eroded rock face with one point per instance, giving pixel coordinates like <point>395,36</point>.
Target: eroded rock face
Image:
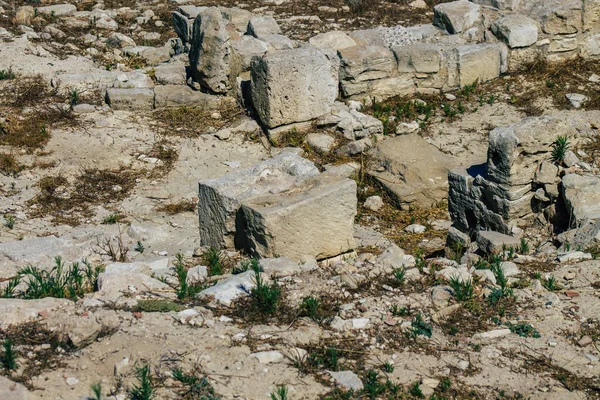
<point>294,85</point>
<point>220,199</point>
<point>411,170</point>
<point>213,62</point>
<point>315,219</point>
<point>457,16</point>
<point>497,194</point>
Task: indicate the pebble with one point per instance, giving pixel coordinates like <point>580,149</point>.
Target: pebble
<point>585,341</point>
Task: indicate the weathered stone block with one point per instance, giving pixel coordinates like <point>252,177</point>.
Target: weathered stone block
<point>294,85</point>
<point>263,25</point>
<point>478,63</point>
<point>364,63</point>
<point>336,40</point>
<point>415,173</point>
<point>582,197</point>
<point>316,219</point>
<point>213,62</point>
<point>491,242</point>
<point>516,30</point>
<point>456,16</point>
<point>425,58</point>
<point>179,95</point>
<point>220,199</point>
<point>130,99</point>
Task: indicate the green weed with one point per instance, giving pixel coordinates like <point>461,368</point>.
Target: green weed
<point>420,327</point>
<point>463,289</point>
<point>265,297</point>
<point>8,359</point>
<point>214,260</point>
<point>560,148</point>
<point>144,389</point>
<point>194,387</point>
<point>280,393</point>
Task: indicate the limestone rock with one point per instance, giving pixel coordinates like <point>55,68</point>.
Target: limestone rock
<point>178,95</point>
<point>130,99</point>
<point>247,48</point>
<point>582,197</point>
<point>415,172</point>
<point>516,30</point>
<point>231,288</point>
<point>10,390</point>
<point>491,242</point>
<point>294,85</point>
<point>321,142</point>
<point>213,62</point>
<point>315,219</point>
<point>347,380</point>
<point>220,199</point>
<point>456,16</point>
<point>336,40</point>
<point>263,25</point>
<point>18,311</point>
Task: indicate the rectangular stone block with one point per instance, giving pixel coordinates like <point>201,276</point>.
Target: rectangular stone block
<point>294,85</point>
<point>314,220</point>
<point>220,199</point>
<point>425,58</point>
<point>130,99</point>
<point>365,63</point>
<point>380,89</point>
<point>478,63</point>
<point>179,95</point>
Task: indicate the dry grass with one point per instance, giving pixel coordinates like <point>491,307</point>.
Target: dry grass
<point>178,207</point>
<point>68,203</point>
<point>167,154</point>
<point>192,121</point>
<point>9,165</point>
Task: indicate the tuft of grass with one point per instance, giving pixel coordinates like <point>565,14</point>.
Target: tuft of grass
<point>178,207</point>
<point>463,289</point>
<point>281,393</point>
<point>59,281</point>
<point>560,148</point>
<point>387,367</point>
<point>420,327</point>
<point>214,260</point>
<point>371,385</point>
<point>550,284</point>
<point>194,387</point>
<point>310,308</point>
<point>9,166</point>
<point>112,218</point>
<point>265,297</point>
<point>8,359</point>
<point>9,221</point>
<point>415,390</point>
<point>73,97</point>
<point>6,74</point>
<point>399,311</point>
<point>524,249</point>
<point>184,291</point>
<point>399,275</point>
<point>9,290</point>
<point>97,390</point>
<point>144,389</point>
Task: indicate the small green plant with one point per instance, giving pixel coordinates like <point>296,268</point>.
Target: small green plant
<point>420,262</point>
<point>140,247</point>
<point>445,384</point>
<point>550,284</point>
<point>59,282</point>
<point>112,219</point>
<point>458,249</point>
<point>449,112</point>
<point>9,290</point>
<point>8,360</point>
<point>214,260</point>
<point>73,97</point>
<point>415,390</point>
<point>463,289</point>
<point>194,387</point>
<point>371,385</point>
<point>184,290</point>
<point>387,367</point>
<point>398,311</point>
<point>97,390</point>
<point>6,74</point>
<point>525,330</point>
<point>491,99</point>
<point>399,275</point>
<point>265,297</point>
<point>9,221</point>
<point>310,308</point>
<point>280,393</point>
<point>144,389</point>
<point>420,327</point>
<point>560,148</point>
<point>524,246</point>
<point>246,265</point>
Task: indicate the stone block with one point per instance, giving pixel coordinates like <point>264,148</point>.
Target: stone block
<point>478,63</point>
<point>491,242</point>
<point>178,95</point>
<point>315,219</point>
<point>221,198</point>
<point>456,16</point>
<point>336,40</point>
<point>365,63</point>
<point>581,194</point>
<point>425,58</point>
<point>294,85</point>
<point>263,25</point>
<point>516,30</point>
<point>130,99</point>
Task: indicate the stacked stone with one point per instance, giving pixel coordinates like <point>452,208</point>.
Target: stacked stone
<point>517,182</point>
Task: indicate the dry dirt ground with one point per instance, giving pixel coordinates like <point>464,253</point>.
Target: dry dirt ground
<point>132,178</point>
